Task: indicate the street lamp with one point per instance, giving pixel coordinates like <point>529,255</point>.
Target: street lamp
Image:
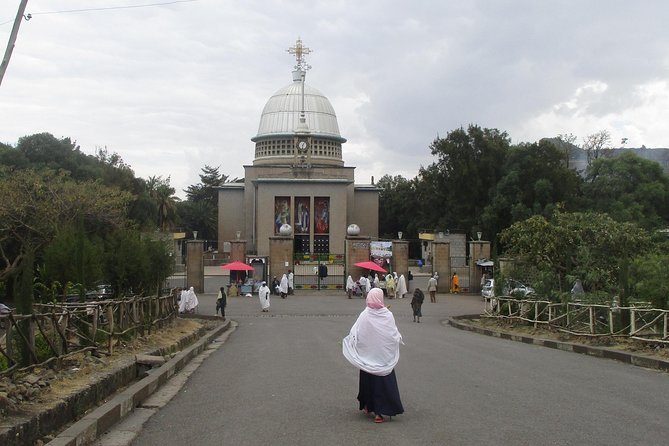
<point>194,235</point>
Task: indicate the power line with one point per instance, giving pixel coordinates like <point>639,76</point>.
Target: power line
<point>145,5</point>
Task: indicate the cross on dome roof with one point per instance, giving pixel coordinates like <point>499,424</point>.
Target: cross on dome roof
<point>300,51</point>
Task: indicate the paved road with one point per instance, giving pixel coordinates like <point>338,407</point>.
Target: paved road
<point>281,379</point>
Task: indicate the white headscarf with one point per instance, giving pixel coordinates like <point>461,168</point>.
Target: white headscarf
<point>373,344</point>
<point>284,284</point>
<point>188,300</point>
<point>349,283</point>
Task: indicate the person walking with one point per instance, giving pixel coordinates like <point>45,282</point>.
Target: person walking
<point>390,286</point>
<point>364,286</point>
<point>432,288</point>
<point>455,284</point>
<point>350,285</point>
<point>221,302</point>
<point>283,286</point>
<point>373,346</point>
<point>416,304</point>
<point>291,282</point>
<point>263,295</point>
<point>401,289</point>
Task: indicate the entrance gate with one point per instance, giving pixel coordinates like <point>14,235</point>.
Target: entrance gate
<point>319,272</point>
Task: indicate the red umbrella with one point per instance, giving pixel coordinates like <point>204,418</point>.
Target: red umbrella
<point>370,265</point>
<point>237,266</point>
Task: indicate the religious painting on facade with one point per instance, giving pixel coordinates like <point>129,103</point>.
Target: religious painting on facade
<point>322,215</point>
<point>281,213</point>
<point>301,215</point>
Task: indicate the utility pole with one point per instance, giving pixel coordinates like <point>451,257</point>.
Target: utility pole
<point>12,38</point>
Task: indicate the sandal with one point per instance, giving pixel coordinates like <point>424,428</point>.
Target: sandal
<point>378,419</point>
<point>365,410</point>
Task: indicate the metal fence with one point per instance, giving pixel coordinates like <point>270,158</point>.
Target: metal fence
<point>55,331</point>
<point>646,324</point>
<point>319,271</point>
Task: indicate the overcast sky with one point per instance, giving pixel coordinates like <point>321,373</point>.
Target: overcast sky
<point>172,88</point>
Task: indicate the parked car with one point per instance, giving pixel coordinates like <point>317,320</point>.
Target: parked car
<point>100,292</point>
<point>517,289</point>
<point>488,289</point>
<point>4,309</point>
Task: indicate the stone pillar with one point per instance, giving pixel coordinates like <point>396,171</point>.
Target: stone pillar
<point>238,251</point>
<point>401,259</point>
<point>478,250</point>
<point>358,249</point>
<point>195,265</point>
<point>441,264</point>
<point>280,255</point>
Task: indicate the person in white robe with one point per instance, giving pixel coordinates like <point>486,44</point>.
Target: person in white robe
<point>350,286</point>
<point>263,295</point>
<point>283,286</point>
<point>401,287</point>
<point>182,300</point>
<point>377,281</point>
<point>188,302</point>
<point>291,282</point>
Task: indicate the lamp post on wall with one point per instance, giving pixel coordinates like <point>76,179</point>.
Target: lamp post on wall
<point>194,235</point>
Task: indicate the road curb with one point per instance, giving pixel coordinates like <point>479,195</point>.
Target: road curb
<point>648,362</point>
<point>86,430</point>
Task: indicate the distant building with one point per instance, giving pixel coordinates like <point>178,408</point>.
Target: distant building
<point>298,177</point>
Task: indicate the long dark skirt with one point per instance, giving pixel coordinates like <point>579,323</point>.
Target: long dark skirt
<point>379,394</point>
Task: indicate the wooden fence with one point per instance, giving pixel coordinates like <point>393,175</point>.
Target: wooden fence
<point>642,323</point>
<point>55,331</point>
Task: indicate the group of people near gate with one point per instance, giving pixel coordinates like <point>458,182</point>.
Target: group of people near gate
<point>396,286</point>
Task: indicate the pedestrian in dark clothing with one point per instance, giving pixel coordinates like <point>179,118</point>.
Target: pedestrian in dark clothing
<point>221,302</point>
<point>275,286</point>
<point>416,303</point>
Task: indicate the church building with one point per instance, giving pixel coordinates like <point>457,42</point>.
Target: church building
<point>298,178</point>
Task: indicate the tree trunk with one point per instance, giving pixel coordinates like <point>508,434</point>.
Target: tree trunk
<point>24,305</point>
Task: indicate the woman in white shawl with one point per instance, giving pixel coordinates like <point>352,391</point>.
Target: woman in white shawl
<point>283,286</point>
<point>350,286</point>
<point>401,287</point>
<point>263,295</point>
<point>188,302</point>
<point>373,346</point>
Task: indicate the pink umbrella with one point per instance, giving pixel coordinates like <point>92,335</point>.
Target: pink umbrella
<point>237,266</point>
<point>370,265</point>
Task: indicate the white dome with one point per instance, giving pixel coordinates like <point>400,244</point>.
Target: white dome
<point>281,114</point>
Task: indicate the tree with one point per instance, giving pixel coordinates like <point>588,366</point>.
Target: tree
<point>596,145</point>
<point>198,216</point>
<point>398,207</point>
<point>565,143</point>
<point>629,189</point>
<point>200,211</point>
<point>37,204</point>
<point>650,279</point>
<point>590,246</point>
<point>469,165</point>
<point>535,180</point>
<point>166,202</point>
<point>72,256</point>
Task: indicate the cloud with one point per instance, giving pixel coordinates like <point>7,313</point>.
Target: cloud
<point>177,87</point>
